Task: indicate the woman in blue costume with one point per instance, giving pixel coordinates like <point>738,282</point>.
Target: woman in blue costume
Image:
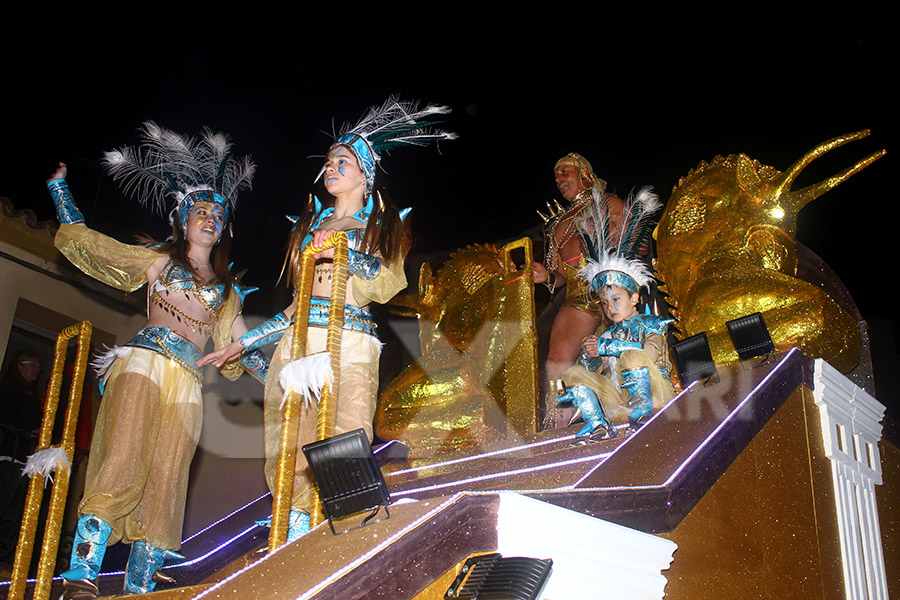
<point>378,240</point>
<point>150,416</point>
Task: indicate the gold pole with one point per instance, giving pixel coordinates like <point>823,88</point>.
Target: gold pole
<point>287,455</point>
<point>25,547</point>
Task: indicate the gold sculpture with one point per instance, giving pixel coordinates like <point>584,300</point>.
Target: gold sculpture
<point>476,381</point>
<point>727,248</point>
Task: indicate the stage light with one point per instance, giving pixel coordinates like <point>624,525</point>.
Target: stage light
<point>492,576</point>
<point>750,337</point>
<point>693,360</point>
<point>348,477</point>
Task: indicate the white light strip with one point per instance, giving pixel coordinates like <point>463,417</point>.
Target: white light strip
<point>480,456</point>
<point>592,457</point>
<point>229,515</point>
<point>346,569</point>
<point>728,419</point>
<point>221,583</point>
<point>628,440</point>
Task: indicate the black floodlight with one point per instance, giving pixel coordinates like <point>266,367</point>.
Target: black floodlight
<point>348,477</point>
<point>693,359</point>
<point>492,576</point>
<point>750,336</point>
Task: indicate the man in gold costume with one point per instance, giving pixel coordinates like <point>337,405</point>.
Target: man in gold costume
<point>564,257</point>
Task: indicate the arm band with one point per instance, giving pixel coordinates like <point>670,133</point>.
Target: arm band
<point>269,332</point>
<point>607,347</point>
<point>362,265</point>
<point>256,364</point>
<point>66,210</point>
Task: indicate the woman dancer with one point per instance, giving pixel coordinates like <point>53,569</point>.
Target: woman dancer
<point>150,417</point>
<point>378,240</point>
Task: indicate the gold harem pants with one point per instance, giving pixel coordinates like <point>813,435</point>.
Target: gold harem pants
<point>147,431</point>
<point>357,396</point>
<point>614,399</point>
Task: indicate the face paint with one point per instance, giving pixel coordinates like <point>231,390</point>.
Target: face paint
<point>618,303</point>
<point>342,172</point>
<point>206,219</point>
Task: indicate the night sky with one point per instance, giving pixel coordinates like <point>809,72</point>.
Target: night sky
<point>644,103</point>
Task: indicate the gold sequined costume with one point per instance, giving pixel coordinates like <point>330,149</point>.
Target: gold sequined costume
<point>150,417</point>
<point>604,381</point>
<point>358,391</point>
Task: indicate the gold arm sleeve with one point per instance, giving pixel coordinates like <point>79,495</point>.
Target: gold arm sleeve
<point>381,289</point>
<point>109,261</point>
<point>221,334</point>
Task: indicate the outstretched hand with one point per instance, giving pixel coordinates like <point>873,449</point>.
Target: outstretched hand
<point>226,354</point>
<point>59,173</point>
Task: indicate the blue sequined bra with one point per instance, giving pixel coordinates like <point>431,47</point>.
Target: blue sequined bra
<point>175,279</point>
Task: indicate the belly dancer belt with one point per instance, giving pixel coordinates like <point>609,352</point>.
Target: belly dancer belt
<point>171,345</point>
<point>355,318</point>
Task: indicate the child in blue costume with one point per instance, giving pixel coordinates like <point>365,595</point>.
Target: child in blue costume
<point>150,416</point>
<point>622,375</point>
<point>378,241</point>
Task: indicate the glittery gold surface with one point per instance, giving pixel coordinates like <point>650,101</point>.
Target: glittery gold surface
<point>24,549</point>
<point>768,527</point>
<point>727,248</point>
<point>887,497</point>
<point>284,478</point>
<point>476,381</point>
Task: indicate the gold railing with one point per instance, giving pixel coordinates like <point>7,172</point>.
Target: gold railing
<point>284,475</point>
<point>27,533</point>
<point>520,388</point>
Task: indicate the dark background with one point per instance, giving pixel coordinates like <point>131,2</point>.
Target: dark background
<point>645,97</point>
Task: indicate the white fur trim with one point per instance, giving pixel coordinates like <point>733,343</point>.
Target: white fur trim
<point>103,360</point>
<point>46,462</point>
<point>306,376</point>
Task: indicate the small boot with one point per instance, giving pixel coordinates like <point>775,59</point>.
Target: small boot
<point>88,548</point>
<point>299,525</point>
<point>637,382</point>
<point>143,570</point>
<point>596,426</point>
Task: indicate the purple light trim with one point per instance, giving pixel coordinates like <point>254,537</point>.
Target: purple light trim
<point>628,441</point>
<point>214,550</point>
<point>729,417</point>
<point>229,515</point>
<point>600,457</point>
<point>485,455</point>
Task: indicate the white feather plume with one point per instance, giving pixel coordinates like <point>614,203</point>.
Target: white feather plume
<point>306,376</point>
<point>167,165</point>
<point>102,361</point>
<point>46,462</point>
<point>396,123</point>
<point>618,251</point>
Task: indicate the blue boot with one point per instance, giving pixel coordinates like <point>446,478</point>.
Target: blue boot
<point>144,564</point>
<point>637,382</point>
<point>596,426</point>
<point>88,548</point>
<point>299,525</point>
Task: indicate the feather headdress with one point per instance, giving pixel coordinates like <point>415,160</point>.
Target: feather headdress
<point>391,125</point>
<point>171,172</point>
<point>613,251</point>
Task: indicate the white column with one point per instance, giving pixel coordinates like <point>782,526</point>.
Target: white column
<point>851,430</point>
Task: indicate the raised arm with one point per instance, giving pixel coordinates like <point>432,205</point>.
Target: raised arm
<point>122,266</point>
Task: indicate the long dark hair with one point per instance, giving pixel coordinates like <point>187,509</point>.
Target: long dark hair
<point>386,234</point>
